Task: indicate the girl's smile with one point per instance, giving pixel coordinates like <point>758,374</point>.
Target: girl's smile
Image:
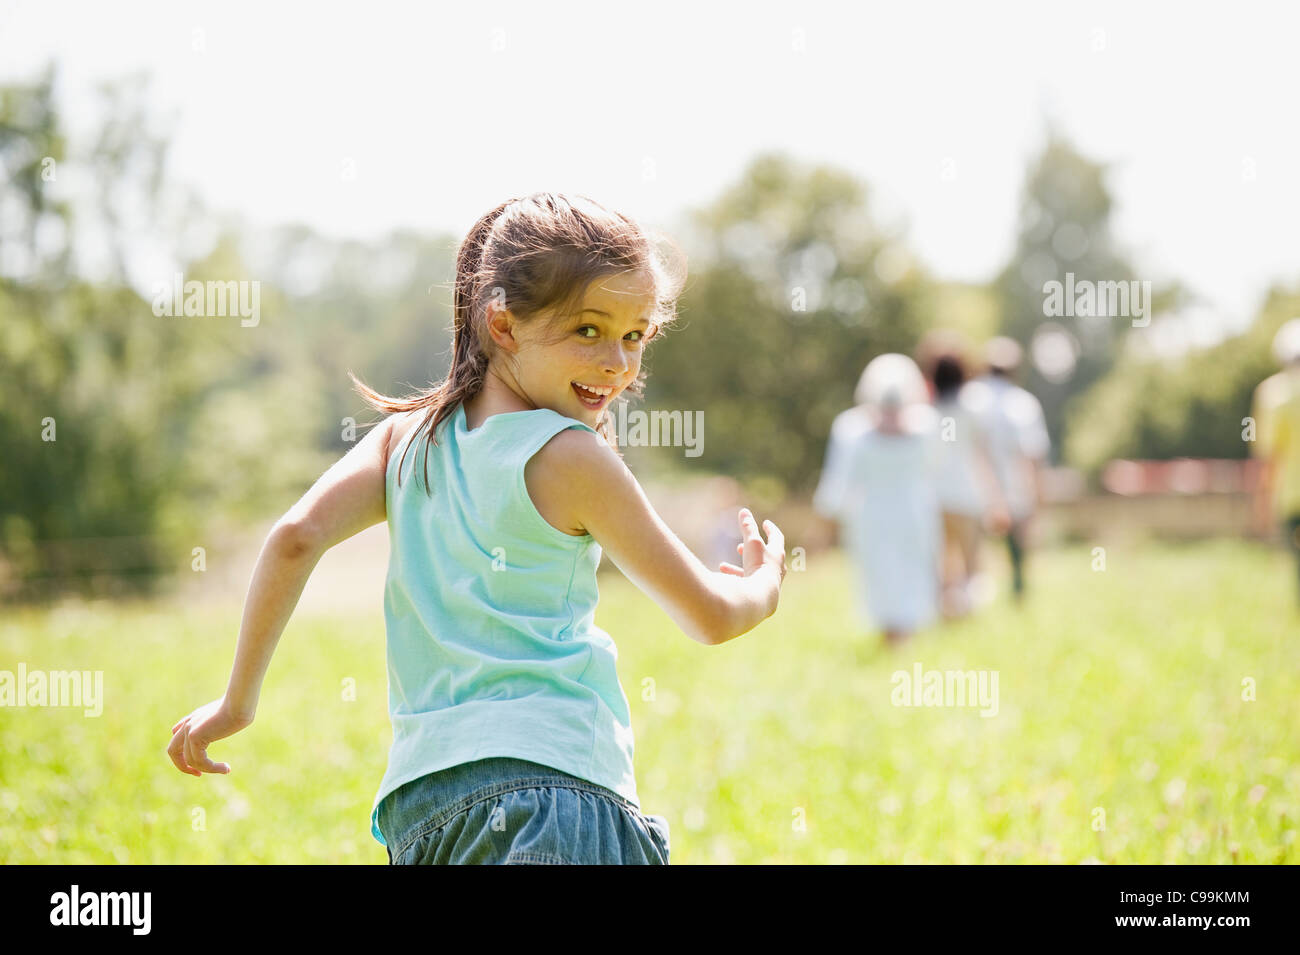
<point>593,396</point>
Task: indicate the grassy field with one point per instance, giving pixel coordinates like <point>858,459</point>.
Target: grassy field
<point>1120,701</point>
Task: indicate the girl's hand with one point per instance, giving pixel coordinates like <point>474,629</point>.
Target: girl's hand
<point>192,734</point>
<point>754,553</point>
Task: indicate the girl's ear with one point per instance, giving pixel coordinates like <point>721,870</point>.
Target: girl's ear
<point>501,326</point>
<point>651,332</point>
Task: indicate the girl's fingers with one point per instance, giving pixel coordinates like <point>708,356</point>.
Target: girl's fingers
<point>175,750</point>
<point>772,548</point>
<point>775,539</point>
<point>192,757</point>
<point>197,756</point>
<point>731,569</point>
<point>748,526</point>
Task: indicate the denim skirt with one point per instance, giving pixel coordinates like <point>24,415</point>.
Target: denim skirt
<point>505,811</point>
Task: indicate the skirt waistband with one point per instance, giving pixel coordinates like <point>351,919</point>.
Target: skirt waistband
<point>429,802</point>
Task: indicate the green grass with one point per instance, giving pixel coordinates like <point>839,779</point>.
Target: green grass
<point>1118,690</point>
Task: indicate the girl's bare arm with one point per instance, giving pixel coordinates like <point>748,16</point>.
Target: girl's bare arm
<point>603,497</point>
<point>347,499</point>
<point>344,501</point>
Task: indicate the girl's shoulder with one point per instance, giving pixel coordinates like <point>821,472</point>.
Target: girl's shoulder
<point>399,425</point>
<point>568,450</point>
<point>553,475</point>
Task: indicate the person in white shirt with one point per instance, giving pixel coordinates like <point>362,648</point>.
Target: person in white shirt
<point>878,484</point>
<point>1018,444</point>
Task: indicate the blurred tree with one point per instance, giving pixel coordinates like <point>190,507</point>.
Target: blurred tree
<point>34,238</point>
<point>123,439</point>
<point>126,166</point>
<point>1065,227</point>
<point>381,310</point>
<point>967,308</point>
<point>796,291</point>
<point>1152,408</point>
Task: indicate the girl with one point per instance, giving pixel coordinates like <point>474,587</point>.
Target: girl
<point>879,483</point>
<point>502,487</point>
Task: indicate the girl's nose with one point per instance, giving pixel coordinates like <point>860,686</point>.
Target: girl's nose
<point>616,361</point>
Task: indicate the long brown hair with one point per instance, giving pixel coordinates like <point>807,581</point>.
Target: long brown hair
<point>538,253</point>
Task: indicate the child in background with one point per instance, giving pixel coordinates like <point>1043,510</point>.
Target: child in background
<point>965,480</point>
<point>878,483</point>
<point>512,740</point>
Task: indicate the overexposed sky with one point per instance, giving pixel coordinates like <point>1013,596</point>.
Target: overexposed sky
<point>439,111</point>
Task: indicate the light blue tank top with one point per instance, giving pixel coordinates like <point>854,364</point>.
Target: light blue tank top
<point>492,648</point>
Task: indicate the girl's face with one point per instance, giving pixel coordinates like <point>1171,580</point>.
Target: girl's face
<point>598,346</point>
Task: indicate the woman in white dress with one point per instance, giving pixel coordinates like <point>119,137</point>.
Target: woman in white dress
<point>878,483</point>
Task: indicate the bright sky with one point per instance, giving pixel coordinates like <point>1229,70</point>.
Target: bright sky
<point>440,111</point>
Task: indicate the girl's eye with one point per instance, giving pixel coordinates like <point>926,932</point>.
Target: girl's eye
<point>596,332</point>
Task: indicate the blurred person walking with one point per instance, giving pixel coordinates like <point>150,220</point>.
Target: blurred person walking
<point>878,484</point>
<point>1276,410</point>
<point>1018,444</point>
<point>966,482</point>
